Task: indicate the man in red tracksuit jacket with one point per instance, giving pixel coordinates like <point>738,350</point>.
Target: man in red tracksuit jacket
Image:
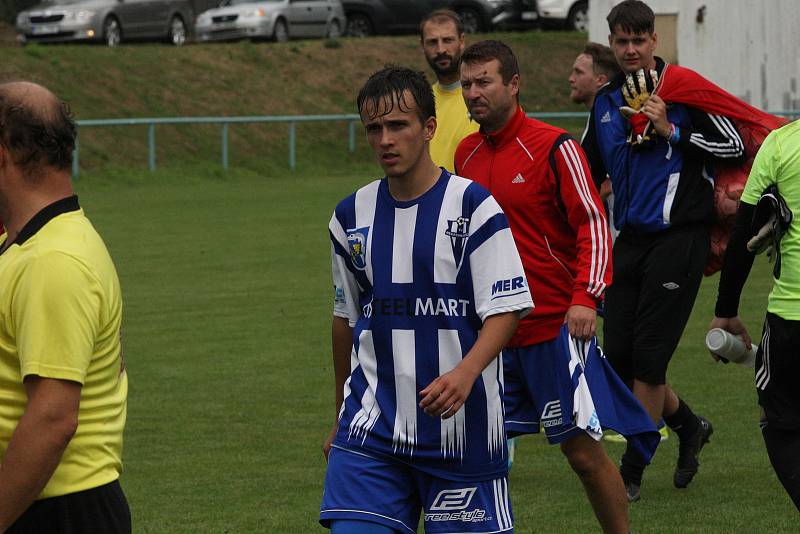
<point>540,177</point>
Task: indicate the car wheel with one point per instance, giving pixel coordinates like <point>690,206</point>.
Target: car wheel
<point>177,31</point>
<point>334,30</point>
<point>359,25</point>
<point>578,18</point>
<point>470,19</point>
<point>280,34</point>
<point>112,32</point>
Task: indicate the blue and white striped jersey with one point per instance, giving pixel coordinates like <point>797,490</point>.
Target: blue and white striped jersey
<point>416,280</point>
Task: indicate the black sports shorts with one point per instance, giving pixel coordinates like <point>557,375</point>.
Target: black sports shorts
<point>100,510</point>
<point>656,279</point>
<point>777,371</point>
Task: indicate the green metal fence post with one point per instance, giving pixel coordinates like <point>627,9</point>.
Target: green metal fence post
<point>151,147</point>
<point>351,131</point>
<point>292,147</point>
<point>75,165</point>
<point>225,146</point>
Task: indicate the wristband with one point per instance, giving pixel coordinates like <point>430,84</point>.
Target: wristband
<point>674,134</point>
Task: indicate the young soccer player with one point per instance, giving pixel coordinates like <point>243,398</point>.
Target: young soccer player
<point>428,288</point>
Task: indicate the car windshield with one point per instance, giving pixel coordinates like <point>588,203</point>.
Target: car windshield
<point>240,2</point>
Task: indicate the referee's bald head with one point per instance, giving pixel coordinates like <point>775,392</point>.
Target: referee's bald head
<point>37,132</point>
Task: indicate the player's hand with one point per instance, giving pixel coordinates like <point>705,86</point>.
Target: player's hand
<point>605,189</point>
<point>735,326</point>
<point>326,447</point>
<point>446,395</point>
<point>581,322</point>
<point>655,109</point>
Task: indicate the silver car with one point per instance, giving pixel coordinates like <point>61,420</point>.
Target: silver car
<point>110,21</point>
<point>279,20</point>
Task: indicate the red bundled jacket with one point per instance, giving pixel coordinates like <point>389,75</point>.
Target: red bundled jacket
<point>539,176</point>
<point>684,86</point>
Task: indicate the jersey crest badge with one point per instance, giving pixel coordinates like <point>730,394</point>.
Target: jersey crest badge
<point>458,232</point>
<point>357,243</point>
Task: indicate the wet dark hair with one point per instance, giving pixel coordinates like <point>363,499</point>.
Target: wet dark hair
<point>440,16</point>
<point>603,60</point>
<point>389,85</point>
<point>632,16</point>
<point>36,136</point>
<point>485,51</point>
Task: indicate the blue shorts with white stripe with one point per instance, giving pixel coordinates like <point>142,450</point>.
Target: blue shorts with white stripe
<point>394,494</point>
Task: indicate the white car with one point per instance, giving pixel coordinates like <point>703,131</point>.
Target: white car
<point>279,20</point>
<point>572,14</point>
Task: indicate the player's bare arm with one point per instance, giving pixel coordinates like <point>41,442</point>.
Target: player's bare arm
<point>342,345</point>
<point>44,431</point>
<point>444,396</point>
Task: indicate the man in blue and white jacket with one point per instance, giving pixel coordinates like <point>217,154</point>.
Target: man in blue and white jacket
<point>659,160</point>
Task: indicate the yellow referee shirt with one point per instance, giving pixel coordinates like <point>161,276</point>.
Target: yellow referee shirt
<point>60,317</point>
<point>452,124</point>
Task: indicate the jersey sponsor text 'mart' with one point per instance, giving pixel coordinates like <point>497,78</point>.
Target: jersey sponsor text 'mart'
<point>416,280</point>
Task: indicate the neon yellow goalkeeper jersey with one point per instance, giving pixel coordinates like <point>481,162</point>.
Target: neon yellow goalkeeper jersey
<point>778,162</point>
<point>60,317</point>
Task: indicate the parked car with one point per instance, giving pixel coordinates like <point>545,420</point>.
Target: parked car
<point>369,17</point>
<point>279,20</point>
<point>571,14</point>
<point>109,21</point>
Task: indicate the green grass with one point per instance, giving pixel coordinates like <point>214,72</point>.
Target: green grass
<point>226,331</point>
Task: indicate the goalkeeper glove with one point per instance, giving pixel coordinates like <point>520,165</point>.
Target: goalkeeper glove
<point>636,91</point>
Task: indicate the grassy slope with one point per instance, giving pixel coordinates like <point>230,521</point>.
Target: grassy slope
<point>304,77</point>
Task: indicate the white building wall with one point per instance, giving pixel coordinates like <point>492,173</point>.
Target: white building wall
<point>749,47</point>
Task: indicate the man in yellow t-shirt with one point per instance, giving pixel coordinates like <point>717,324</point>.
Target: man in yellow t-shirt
<point>62,375</point>
<point>442,40</point>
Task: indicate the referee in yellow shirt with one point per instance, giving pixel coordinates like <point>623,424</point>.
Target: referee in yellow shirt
<point>62,375</point>
<point>442,39</point>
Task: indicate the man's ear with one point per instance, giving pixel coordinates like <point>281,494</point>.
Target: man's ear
<point>602,79</point>
<point>513,84</point>
<point>430,128</point>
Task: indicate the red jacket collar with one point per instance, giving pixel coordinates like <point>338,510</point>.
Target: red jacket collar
<point>508,132</point>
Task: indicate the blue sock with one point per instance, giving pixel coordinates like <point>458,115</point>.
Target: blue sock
<point>351,526</point>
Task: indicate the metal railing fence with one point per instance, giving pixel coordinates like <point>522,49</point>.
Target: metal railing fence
<point>291,121</point>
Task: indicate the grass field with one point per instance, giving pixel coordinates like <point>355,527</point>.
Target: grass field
<point>227,310</point>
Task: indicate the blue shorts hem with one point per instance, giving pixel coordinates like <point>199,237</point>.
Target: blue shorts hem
<point>560,435</point>
<point>326,516</point>
<point>520,429</point>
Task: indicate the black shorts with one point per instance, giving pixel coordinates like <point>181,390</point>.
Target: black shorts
<point>777,371</point>
<point>656,279</point>
<point>100,510</point>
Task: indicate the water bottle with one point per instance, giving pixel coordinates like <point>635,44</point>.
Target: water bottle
<point>730,347</point>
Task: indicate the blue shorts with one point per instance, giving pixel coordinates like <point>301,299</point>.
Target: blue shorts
<point>567,387</point>
<point>532,393</point>
<point>361,487</point>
